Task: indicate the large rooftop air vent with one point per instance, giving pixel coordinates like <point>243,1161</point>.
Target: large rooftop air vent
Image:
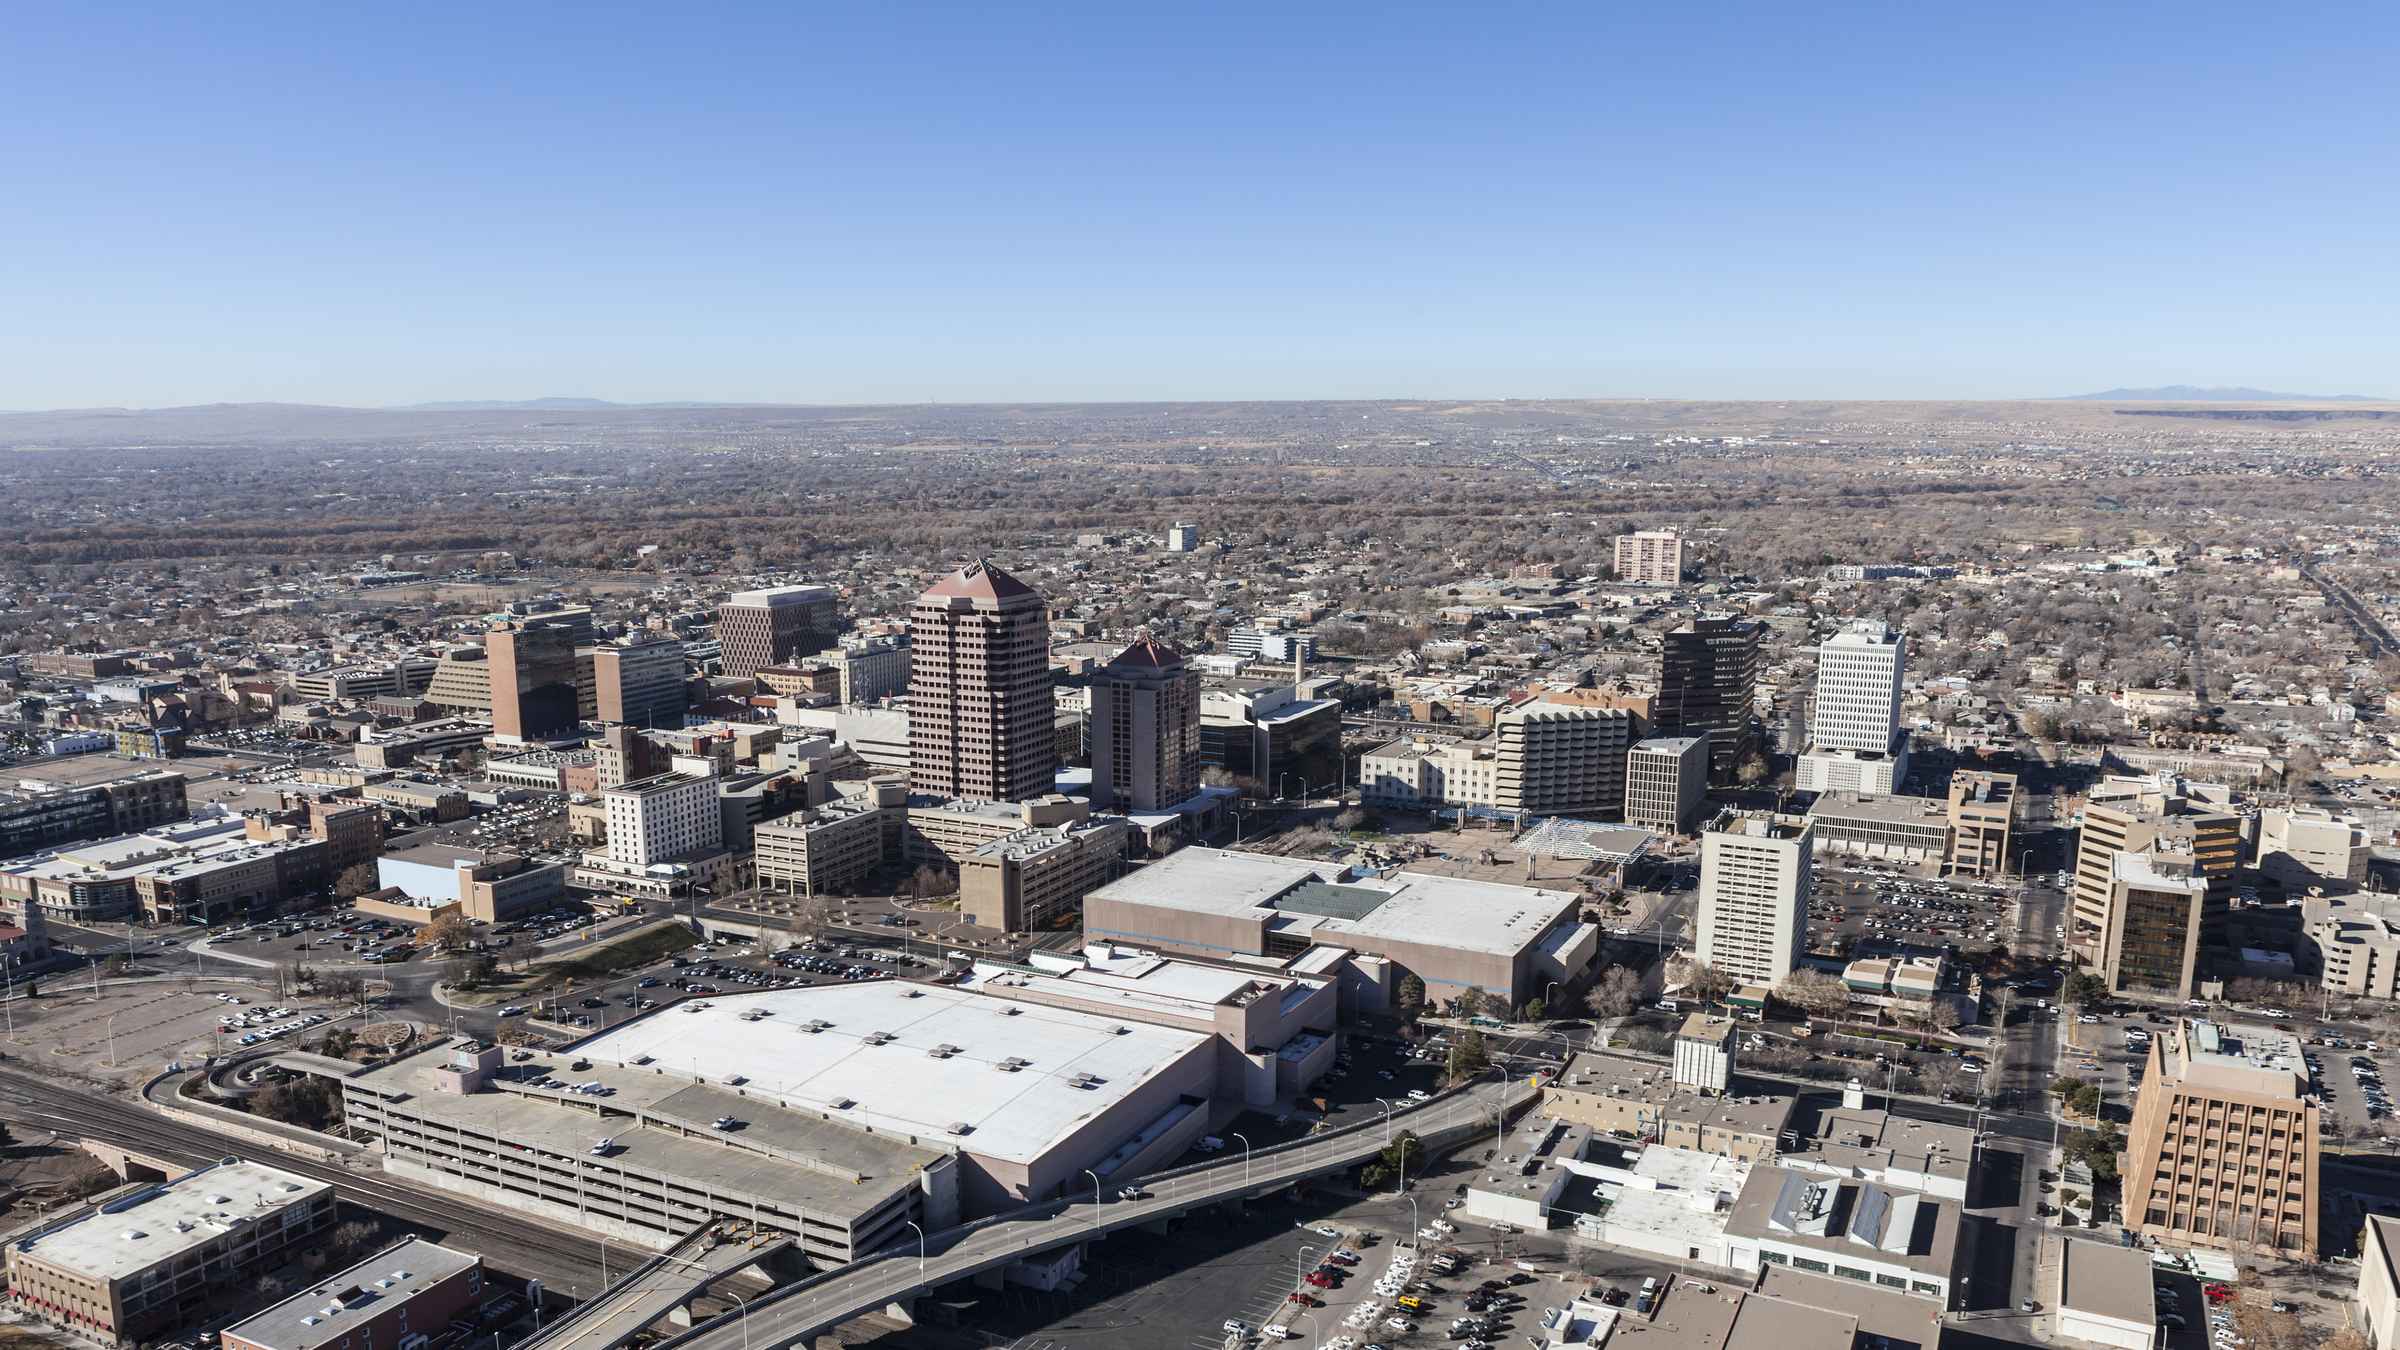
<point>914,993</point>
<point>844,1103</point>
<point>961,1127</point>
<point>1014,1063</point>
<point>943,1051</point>
<point>880,1038</point>
<point>816,1024</point>
<point>1012,1012</point>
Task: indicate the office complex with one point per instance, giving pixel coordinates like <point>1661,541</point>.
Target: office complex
<point>393,1300</point>
<point>151,1259</point>
<point>1708,685</point>
<point>1432,771</point>
<point>2223,1150</point>
<point>2353,941</point>
<point>1267,731</point>
<point>2152,944</point>
<point>662,817</point>
<point>982,712</point>
<point>1324,920</point>
<point>461,685</point>
<point>1666,783</point>
<point>872,668</point>
<point>774,627</point>
<point>532,670</point>
<point>45,811</point>
<point>486,885</point>
<point>1036,877</point>
<point>1754,891</point>
<point>1982,808</point>
<point>1145,730</point>
<point>2162,816</point>
<point>639,683</point>
<point>403,678</point>
<point>1855,741</point>
<point>2300,847</point>
<point>823,850</point>
<point>1890,829</point>
<point>1560,759</point>
<point>1650,557</point>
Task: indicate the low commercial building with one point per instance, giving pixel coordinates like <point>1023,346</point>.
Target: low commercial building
<point>487,886</point>
<point>1037,877</point>
<point>1902,1241</point>
<point>2354,942</point>
<point>1638,1101</point>
<point>1519,1187</point>
<point>1894,981</point>
<point>2224,1147</point>
<point>204,870</point>
<point>1892,829</point>
<point>145,1261</point>
<point>40,811</point>
<point>393,1300</point>
<point>2107,1295</point>
<point>1982,810</point>
<point>1895,1152</point>
<point>1872,772</point>
<point>1317,918</point>
<point>1422,772</point>
<point>426,803</point>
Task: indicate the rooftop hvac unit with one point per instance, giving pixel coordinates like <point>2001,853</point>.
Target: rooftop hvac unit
<point>914,993</point>
<point>880,1038</point>
<point>1120,1031</point>
<point>844,1103</point>
<point>943,1051</point>
<point>1012,1012</point>
<point>1013,1063</point>
<point>961,1127</point>
<point>815,1025</point>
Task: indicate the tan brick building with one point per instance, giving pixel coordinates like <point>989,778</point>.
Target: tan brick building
<point>2223,1151</point>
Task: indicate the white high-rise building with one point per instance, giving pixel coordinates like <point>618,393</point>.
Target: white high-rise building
<point>1754,888</point>
<point>1858,688</point>
<point>1854,739</point>
<point>668,815</point>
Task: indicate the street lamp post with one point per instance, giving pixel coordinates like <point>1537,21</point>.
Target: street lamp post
<point>1387,1119</point>
<point>1300,1264</point>
<point>1096,1201</point>
<point>1245,1159</point>
<point>112,1040</point>
<point>920,1251</point>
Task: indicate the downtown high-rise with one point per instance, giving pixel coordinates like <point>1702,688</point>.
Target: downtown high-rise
<point>982,715</point>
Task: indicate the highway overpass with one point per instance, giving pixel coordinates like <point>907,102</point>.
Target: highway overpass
<point>798,1311</point>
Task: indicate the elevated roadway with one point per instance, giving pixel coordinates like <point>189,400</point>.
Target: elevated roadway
<point>653,1290</point>
<point>798,1311</point>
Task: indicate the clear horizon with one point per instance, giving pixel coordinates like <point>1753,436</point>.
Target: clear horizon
<point>1088,204</point>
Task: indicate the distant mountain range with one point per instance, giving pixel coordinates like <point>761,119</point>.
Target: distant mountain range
<point>549,405</point>
<point>2192,393</point>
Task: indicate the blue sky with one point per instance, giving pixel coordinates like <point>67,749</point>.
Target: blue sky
<point>903,203</point>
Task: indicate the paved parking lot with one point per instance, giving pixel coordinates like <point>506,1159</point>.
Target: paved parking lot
<point>142,1027</point>
<point>1869,901</point>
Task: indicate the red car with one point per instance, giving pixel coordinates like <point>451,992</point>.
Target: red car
<point>1320,1279</point>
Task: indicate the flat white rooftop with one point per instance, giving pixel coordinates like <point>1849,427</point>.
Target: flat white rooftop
<point>1411,907</point>
<point>919,1060</point>
<point>139,1231</point>
<point>778,595</point>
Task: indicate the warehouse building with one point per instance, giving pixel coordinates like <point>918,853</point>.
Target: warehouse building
<point>393,1300</point>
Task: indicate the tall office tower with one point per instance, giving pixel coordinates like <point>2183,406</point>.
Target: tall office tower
<point>2224,1150</point>
<point>1145,730</point>
<point>1666,781</point>
<point>982,713</point>
<point>1651,557</point>
<point>533,679</point>
<point>2146,815</point>
<point>1855,742</point>
<point>1554,759</point>
<point>1708,685</point>
<point>874,668</point>
<point>640,682</point>
<point>1858,688</point>
<point>2155,904</point>
<point>775,626</point>
<point>1754,889</point>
